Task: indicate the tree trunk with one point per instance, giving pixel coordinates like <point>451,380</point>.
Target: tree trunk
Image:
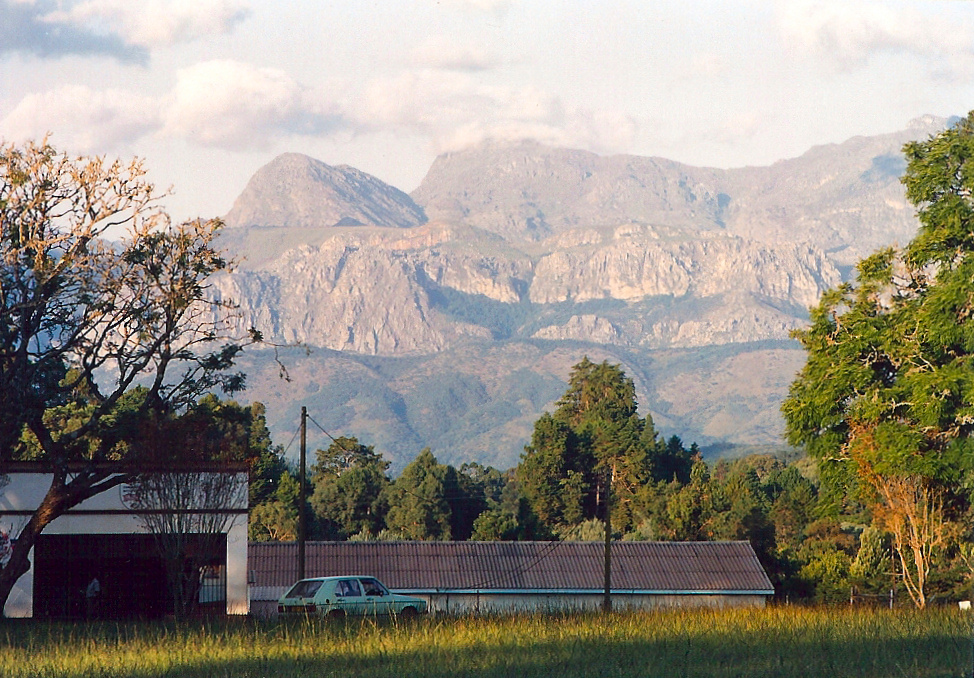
<point>19,564</point>
<point>60,497</point>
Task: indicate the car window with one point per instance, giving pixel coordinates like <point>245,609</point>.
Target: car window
<point>347,588</point>
<point>374,588</point>
<point>304,589</point>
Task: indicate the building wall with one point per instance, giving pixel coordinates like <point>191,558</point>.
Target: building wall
<point>264,601</point>
<point>105,513</point>
<point>489,603</point>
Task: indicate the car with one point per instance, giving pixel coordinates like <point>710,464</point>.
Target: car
<point>347,595</point>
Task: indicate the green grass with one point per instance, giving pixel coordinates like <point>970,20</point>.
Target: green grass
<point>779,642</point>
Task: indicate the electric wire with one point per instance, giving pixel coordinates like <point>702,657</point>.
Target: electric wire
<point>546,551</point>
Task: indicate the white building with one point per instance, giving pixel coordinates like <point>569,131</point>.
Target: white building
<point>106,538</point>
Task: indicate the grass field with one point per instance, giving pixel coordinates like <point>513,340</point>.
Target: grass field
<point>780,641</point>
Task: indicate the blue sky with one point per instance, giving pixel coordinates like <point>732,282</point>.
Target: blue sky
<point>207,91</point>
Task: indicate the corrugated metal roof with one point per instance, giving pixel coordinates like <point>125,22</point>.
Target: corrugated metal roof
<point>697,567</point>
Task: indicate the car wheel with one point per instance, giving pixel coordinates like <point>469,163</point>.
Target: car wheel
<point>336,614</point>
<point>409,613</point>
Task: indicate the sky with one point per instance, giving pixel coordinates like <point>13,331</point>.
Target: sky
<point>208,91</point>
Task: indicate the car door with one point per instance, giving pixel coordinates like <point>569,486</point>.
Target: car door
<point>377,597</point>
<point>348,596</point>
<point>299,597</point>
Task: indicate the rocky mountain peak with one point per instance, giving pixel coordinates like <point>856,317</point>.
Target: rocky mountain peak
<point>529,191</point>
<point>294,190</point>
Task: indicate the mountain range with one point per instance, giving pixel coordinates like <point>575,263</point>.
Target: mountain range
<point>450,317</point>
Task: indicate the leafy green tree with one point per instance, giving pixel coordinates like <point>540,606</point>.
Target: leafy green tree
<point>495,525</point>
<point>587,530</point>
<point>553,473</point>
<point>595,433</point>
<point>885,402</point>
<point>350,488</point>
<point>478,489</point>
<point>825,558</point>
<point>224,429</point>
<point>672,461</point>
<point>685,512</point>
<point>794,499</point>
<point>872,569</point>
<point>744,513</point>
<point>509,517</point>
<point>74,306</point>
<point>418,500</point>
<point>276,518</point>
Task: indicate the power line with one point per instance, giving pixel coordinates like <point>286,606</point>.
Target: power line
<point>296,432</point>
<point>322,429</point>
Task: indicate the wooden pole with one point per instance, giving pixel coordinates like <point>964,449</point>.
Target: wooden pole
<point>607,569</point>
<point>302,492</point>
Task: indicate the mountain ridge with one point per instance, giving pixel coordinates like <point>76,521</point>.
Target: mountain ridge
<point>526,256</point>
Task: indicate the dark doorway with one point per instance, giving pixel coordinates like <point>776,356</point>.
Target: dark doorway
<point>131,577</point>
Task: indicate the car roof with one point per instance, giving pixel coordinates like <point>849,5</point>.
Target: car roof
<point>340,576</point>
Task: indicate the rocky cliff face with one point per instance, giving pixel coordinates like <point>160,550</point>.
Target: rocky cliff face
<point>388,296</point>
<point>689,274</point>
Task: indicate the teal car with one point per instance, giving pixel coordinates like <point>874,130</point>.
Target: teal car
<point>348,595</point>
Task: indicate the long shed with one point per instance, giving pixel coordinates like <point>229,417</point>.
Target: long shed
<point>464,577</point>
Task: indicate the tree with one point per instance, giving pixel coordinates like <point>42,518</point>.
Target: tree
<point>886,398</point>
<point>507,515</point>
<point>350,488</point>
<point>872,569</point>
<point>594,433</point>
<point>190,494</point>
<point>552,473</point>
<point>478,489</point>
<point>188,515</point>
<point>75,307</point>
<point>418,500</point>
<point>793,499</point>
<point>276,518</point>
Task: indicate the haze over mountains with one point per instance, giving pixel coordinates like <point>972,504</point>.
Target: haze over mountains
<point>451,318</point>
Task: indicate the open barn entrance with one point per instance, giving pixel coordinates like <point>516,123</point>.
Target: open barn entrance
<point>131,577</point>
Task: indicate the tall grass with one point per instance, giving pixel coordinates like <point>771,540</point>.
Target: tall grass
<point>781,642</point>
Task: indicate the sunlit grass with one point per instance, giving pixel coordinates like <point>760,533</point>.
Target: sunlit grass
<point>772,642</point>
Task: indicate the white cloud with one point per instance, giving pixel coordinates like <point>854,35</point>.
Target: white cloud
<point>224,104</point>
<point>82,119</point>
<point>153,23</point>
<point>455,111</point>
<point>233,105</point>
<point>707,65</point>
<point>850,33</point>
<point>447,55</point>
<point>240,107</point>
<point>492,6</point>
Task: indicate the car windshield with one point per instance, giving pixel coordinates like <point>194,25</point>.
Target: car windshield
<point>304,589</point>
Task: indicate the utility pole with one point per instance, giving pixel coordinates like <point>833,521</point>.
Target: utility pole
<point>302,492</point>
<point>607,570</point>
